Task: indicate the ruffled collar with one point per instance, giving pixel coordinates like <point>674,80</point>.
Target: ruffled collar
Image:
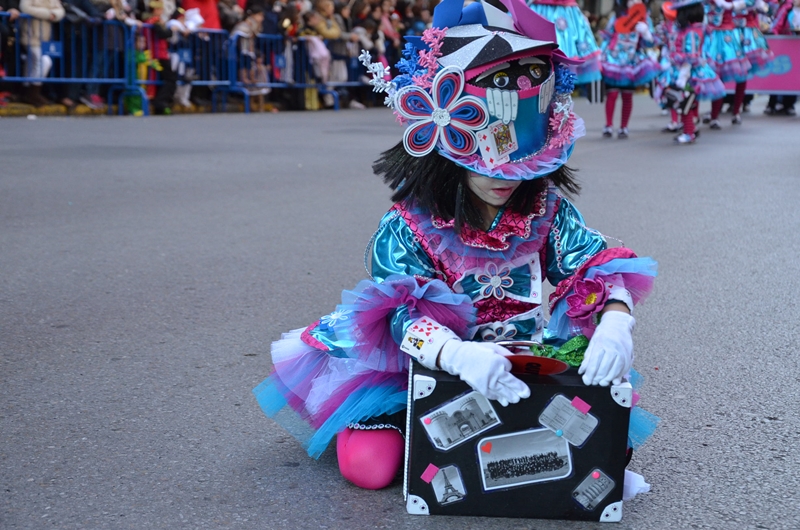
<point>509,224</point>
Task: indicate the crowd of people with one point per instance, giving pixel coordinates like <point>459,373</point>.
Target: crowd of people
<point>696,45</point>
<point>525,466</point>
<point>333,33</point>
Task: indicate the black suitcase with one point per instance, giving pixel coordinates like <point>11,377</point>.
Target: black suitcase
<point>560,454</point>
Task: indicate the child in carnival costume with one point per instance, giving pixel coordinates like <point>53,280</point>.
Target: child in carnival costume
<point>723,48</point>
<point>478,224</point>
<point>754,47</point>
<point>574,35</point>
<point>624,60</point>
<point>691,79</point>
<point>664,35</point>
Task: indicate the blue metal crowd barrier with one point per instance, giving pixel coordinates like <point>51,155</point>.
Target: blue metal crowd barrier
<point>285,63</point>
<point>106,53</point>
<point>77,53</point>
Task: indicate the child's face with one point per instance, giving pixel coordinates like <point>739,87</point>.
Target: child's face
<point>494,192</point>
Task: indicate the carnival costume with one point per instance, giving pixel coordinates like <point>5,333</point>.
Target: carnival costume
<point>754,46</point>
<point>574,35</point>
<point>725,52</point>
<point>664,35</point>
<point>690,78</point>
<point>625,65</point>
<point>491,93</point>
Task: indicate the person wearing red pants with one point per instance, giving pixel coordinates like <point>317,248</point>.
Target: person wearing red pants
<point>458,263</point>
<point>624,63</point>
<point>690,77</point>
<point>723,47</point>
<point>754,47</point>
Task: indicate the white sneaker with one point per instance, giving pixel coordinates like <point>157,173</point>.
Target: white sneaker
<point>356,104</point>
<point>685,139</point>
<point>327,99</point>
<point>608,132</point>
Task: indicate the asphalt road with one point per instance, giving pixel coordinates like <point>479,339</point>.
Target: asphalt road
<point>147,264</point>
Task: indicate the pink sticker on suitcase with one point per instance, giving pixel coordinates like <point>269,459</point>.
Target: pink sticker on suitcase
<point>429,473</point>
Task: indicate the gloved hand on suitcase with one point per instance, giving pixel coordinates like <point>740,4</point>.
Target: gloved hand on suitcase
<point>610,353</point>
<point>484,367</point>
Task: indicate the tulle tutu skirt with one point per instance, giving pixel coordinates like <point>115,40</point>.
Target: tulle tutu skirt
<point>575,39</point>
<point>706,83</point>
<point>723,48</point>
<point>629,74</point>
<point>756,49</point>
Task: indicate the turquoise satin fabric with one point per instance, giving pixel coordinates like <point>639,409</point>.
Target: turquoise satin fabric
<point>394,251</point>
<point>576,242</point>
<point>521,277</point>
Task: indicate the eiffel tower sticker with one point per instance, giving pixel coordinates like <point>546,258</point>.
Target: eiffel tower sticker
<point>450,494</point>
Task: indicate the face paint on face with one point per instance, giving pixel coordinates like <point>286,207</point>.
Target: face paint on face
<point>494,192</point>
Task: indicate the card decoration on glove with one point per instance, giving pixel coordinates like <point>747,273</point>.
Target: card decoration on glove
<point>567,421</point>
<point>497,142</point>
<point>424,339</point>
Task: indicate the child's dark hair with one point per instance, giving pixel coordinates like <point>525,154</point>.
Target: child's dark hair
<point>440,186</point>
<point>691,14</point>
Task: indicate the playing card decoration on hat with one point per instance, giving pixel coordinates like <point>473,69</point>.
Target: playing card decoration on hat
<point>487,89</point>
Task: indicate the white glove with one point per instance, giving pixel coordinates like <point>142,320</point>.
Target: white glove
<point>724,4</point>
<point>642,29</point>
<point>484,367</point>
<point>738,5</point>
<point>610,352</point>
<point>683,77</point>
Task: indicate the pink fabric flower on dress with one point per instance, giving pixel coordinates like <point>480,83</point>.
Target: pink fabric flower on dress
<point>589,297</point>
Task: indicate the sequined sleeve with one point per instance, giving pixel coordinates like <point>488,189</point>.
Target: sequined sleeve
<point>396,251</point>
<point>570,243</point>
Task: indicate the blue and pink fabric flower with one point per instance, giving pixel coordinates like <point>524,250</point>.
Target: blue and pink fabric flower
<point>441,116</point>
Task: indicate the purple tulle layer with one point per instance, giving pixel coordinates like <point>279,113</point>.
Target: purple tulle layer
<point>630,75</point>
<point>708,89</point>
<point>736,70</point>
<point>373,303</point>
<point>330,389</point>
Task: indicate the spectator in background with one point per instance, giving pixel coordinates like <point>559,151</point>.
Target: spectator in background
<point>318,53</point>
<point>157,37</point>
<point>11,8</point>
<point>230,14</point>
<point>247,30</point>
<point>391,27</point>
<point>208,10</point>
<point>79,15</point>
<point>360,12</point>
<point>34,32</point>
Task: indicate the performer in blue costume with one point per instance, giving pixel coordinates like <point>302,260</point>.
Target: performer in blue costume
<point>480,221</point>
<point>624,60</point>
<point>690,79</point>
<point>574,35</point>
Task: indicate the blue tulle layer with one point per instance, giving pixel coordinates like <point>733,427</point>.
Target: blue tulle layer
<point>361,405</point>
